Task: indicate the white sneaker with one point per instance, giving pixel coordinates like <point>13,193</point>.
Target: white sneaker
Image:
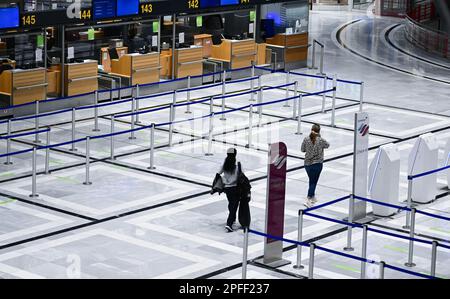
<point>314,200</point>
<point>309,203</point>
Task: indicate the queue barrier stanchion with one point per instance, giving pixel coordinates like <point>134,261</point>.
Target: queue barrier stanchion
<point>171,119</point>
<point>351,206</point>
<point>333,104</point>
<point>88,159</point>
<point>252,85</point>
<point>322,54</point>
<point>364,252</point>
<point>210,134</point>
<point>250,127</point>
<point>138,95</point>
<point>260,104</point>
<point>34,174</point>
<point>294,104</point>
<point>381,269</point>
<point>188,95</point>
<point>47,151</point>
<point>409,204</point>
<point>8,143</point>
<point>313,64</point>
<point>222,116</point>
<point>410,262</point>
<point>244,254</point>
<point>288,81</point>
<point>434,247</point>
<point>133,118</point>
<point>152,147</point>
<point>36,123</point>
<point>112,150</point>
<point>312,248</point>
<point>72,147</point>
<point>299,117</point>
<point>299,239</point>
<point>361,96</point>
<point>324,96</point>
<point>96,129</point>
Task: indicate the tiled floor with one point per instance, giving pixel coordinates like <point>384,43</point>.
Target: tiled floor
<point>135,222</point>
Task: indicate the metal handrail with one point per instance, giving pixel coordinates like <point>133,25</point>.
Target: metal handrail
<point>192,62</point>
<point>147,69</point>
<point>30,86</point>
<point>83,78</point>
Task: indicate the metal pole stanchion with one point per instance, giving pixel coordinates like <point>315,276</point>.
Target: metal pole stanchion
<point>333,105</point>
<point>96,129</point>
<point>324,95</point>
<point>260,101</point>
<point>313,66</point>
<point>33,177</point>
<point>188,95</point>
<point>322,54</point>
<point>244,254</point>
<point>299,117</point>
<point>210,135</point>
<point>87,181</point>
<point>434,247</point>
<point>138,92</point>
<point>294,106</point>
<point>152,147</point>
<point>36,123</point>
<point>47,152</point>
<point>73,148</point>
<point>288,81</point>
<point>312,247</point>
<point>411,242</point>
<point>250,127</point>
<point>299,239</point>
<point>364,252</point>
<point>350,220</point>
<point>8,143</point>
<point>382,269</point>
<point>112,137</point>
<point>409,203</point>
<point>133,116</point>
<point>171,118</point>
<point>252,84</point>
<point>361,97</point>
<point>222,117</point>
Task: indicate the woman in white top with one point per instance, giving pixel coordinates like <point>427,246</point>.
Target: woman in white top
<point>230,174</point>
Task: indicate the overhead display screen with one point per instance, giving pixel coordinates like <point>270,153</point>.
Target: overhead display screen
<point>9,17</point>
<point>104,9</point>
<point>217,3</point>
<point>127,7</point>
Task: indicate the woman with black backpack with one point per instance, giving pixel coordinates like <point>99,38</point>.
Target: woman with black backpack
<point>237,188</point>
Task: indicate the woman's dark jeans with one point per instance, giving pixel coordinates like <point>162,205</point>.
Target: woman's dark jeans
<point>313,172</point>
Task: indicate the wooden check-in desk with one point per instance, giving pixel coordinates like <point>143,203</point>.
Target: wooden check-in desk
<point>139,68</point>
<point>166,63</point>
<point>188,62</point>
<point>106,58</point>
<point>238,53</point>
<point>295,47</point>
<point>80,77</point>
<point>205,41</point>
<point>23,86</point>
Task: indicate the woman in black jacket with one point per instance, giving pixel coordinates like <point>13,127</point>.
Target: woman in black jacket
<point>237,188</point>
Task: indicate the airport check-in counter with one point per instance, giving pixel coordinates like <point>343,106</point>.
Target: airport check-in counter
<point>235,53</point>
<point>18,86</point>
<point>106,58</point>
<point>289,51</point>
<point>188,61</point>
<point>81,77</point>
<point>137,68</point>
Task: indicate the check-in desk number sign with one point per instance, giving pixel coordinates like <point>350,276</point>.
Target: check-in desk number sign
<point>146,8</point>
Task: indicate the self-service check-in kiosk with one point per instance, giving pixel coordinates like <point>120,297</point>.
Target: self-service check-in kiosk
<point>384,176</point>
<point>424,157</point>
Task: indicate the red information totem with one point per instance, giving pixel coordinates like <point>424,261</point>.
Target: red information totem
<point>276,196</point>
